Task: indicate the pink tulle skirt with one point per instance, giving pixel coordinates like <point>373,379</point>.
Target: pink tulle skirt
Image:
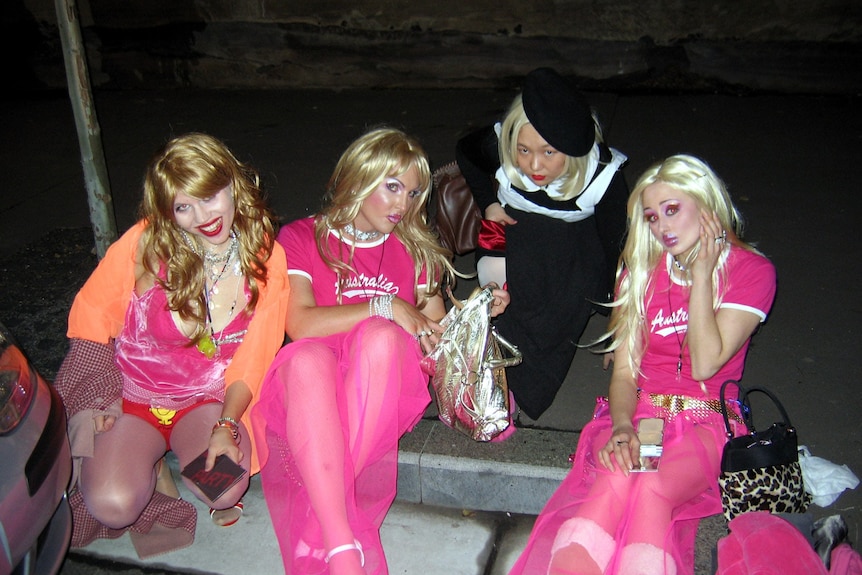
<point>660,508</point>
<point>354,393</point>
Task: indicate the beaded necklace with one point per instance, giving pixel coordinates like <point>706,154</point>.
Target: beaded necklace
<point>215,266</point>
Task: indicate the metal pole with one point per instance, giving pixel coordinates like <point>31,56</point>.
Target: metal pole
<point>89,134</point>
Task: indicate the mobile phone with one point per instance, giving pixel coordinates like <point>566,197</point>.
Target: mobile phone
<point>650,435</point>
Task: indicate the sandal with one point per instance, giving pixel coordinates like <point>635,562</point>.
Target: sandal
<point>238,507</point>
<point>347,547</point>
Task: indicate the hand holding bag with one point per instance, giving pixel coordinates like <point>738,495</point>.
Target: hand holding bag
<point>468,369</point>
<point>760,470</point>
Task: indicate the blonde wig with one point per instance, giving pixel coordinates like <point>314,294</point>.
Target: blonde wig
<point>200,166</point>
<point>376,155</point>
<point>574,171</point>
<point>643,252</point>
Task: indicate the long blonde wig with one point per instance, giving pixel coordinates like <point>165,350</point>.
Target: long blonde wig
<point>575,167</point>
<point>200,166</point>
<point>643,252</point>
<point>376,155</point>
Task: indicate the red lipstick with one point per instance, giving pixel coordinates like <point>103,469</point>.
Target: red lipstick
<point>208,230</point>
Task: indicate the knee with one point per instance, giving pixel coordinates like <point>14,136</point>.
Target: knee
<point>382,340</point>
<point>230,497</point>
<point>114,506</point>
<point>304,364</point>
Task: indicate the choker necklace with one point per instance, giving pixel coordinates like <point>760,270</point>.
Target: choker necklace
<point>359,235</point>
<point>212,257</point>
<point>678,265</point>
<point>215,264</point>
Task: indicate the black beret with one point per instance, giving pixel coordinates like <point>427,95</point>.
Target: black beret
<point>559,112</point>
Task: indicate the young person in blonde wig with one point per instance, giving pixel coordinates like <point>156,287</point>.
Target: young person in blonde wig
<point>357,175</point>
<point>365,277</point>
<point>170,337</point>
<point>553,196</point>
<point>693,177</point>
<point>690,294</point>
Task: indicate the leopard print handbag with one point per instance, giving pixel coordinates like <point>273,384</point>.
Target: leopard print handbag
<point>760,470</point>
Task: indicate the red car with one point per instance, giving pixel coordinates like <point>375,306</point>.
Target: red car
<point>35,468</point>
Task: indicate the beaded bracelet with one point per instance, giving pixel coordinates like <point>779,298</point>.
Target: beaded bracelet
<point>230,424</point>
<point>381,306</point>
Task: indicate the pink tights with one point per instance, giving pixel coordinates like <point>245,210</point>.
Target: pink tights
<point>646,500</point>
<point>346,400</point>
<point>119,480</point>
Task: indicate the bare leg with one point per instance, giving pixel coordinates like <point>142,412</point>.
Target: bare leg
<point>190,438</point>
<point>119,480</point>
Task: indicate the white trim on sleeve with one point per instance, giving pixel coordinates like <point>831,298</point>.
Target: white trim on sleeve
<point>747,308</point>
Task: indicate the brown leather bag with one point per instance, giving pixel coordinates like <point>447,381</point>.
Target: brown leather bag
<point>457,216</point>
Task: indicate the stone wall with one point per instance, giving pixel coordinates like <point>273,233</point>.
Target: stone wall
<point>783,45</point>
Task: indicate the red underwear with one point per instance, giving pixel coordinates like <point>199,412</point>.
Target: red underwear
<point>163,420</point>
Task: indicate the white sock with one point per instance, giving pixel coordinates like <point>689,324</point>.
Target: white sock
<point>586,533</point>
<point>491,269</point>
<point>645,559</point>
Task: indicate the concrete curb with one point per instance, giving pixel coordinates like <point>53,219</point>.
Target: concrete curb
<point>439,466</point>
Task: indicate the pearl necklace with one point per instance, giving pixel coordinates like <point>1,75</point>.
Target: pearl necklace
<point>359,235</point>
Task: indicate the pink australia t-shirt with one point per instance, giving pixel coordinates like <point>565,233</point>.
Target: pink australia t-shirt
<point>382,266</point>
<point>750,287</point>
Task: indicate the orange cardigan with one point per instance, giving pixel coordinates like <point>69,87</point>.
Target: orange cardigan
<point>99,311</point>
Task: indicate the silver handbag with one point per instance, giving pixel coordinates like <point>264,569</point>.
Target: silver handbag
<point>468,369</point>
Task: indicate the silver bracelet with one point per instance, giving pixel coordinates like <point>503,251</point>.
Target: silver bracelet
<point>381,306</point>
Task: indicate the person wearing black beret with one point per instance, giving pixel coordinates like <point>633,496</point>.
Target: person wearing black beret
<point>553,200</point>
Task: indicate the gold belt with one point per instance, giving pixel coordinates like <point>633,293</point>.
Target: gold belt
<point>676,404</point>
